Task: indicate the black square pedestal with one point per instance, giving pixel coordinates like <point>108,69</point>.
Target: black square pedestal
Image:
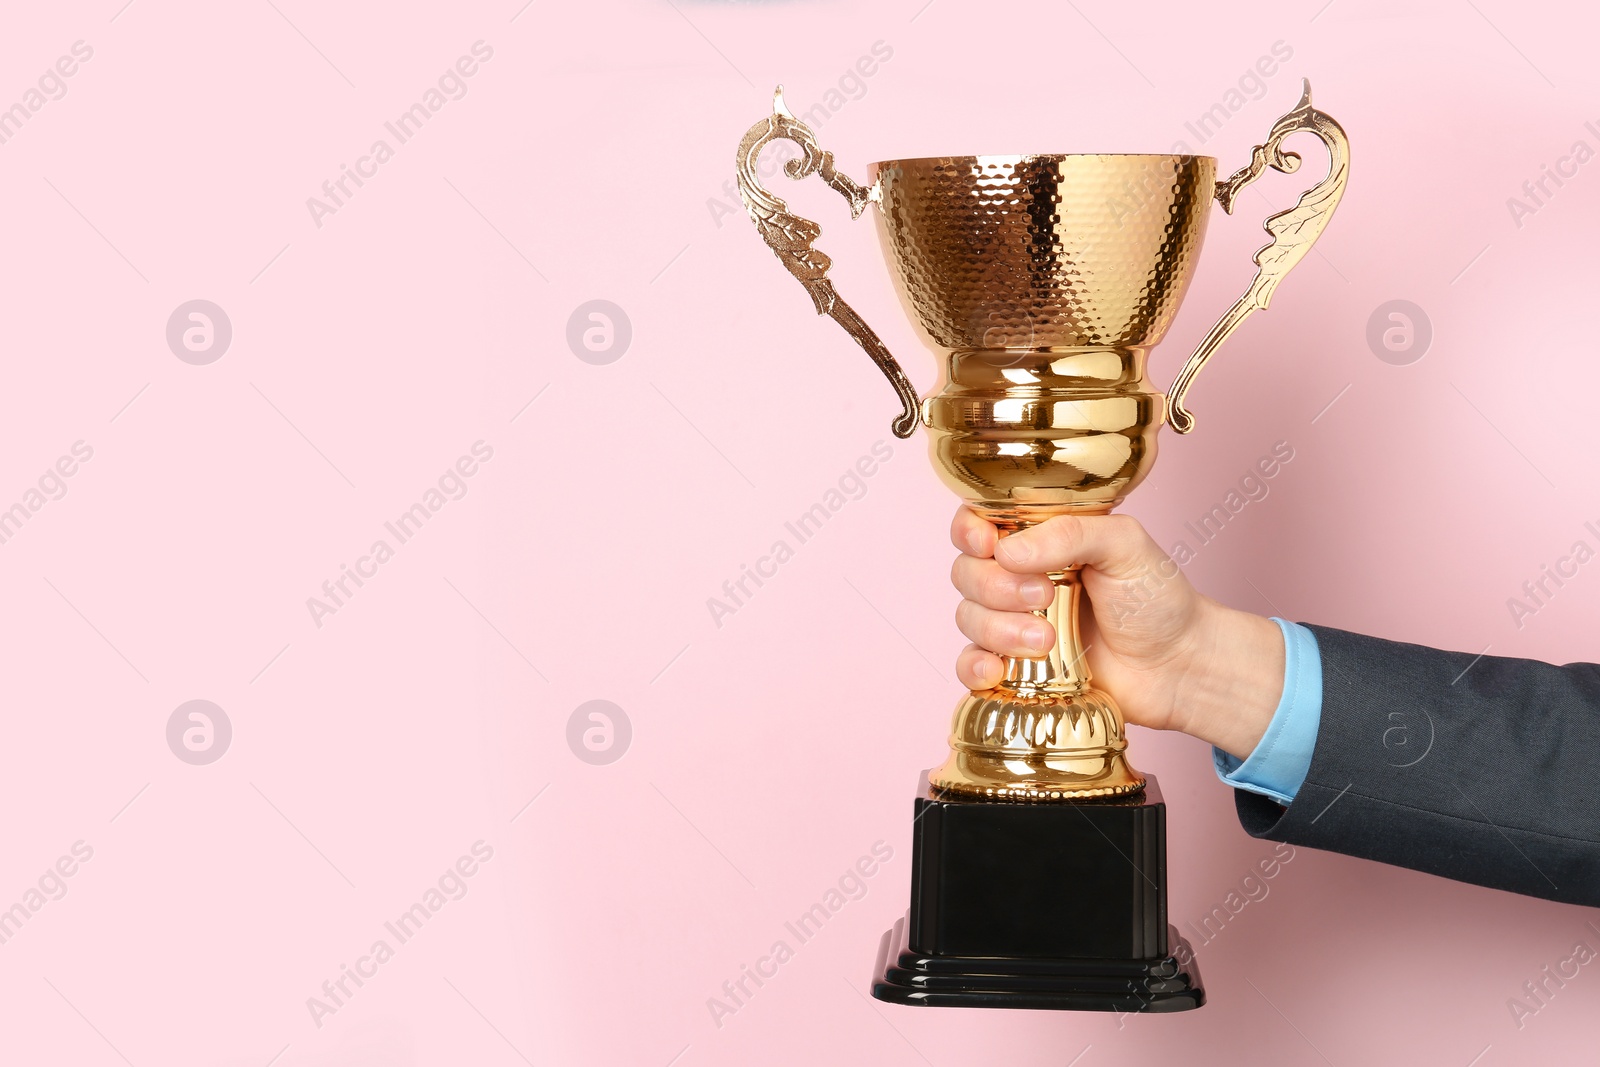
<point>1059,905</point>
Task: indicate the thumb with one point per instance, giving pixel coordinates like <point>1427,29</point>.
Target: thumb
<point>1114,545</point>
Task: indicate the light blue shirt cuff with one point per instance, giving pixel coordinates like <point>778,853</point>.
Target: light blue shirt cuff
<point>1279,764</point>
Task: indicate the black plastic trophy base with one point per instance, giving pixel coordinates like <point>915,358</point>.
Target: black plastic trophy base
<point>1059,905</point>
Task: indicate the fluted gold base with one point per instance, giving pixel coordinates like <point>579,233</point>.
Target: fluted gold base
<point>1008,744</point>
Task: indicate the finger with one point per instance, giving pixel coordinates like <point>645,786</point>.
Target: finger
<point>971,534</point>
<point>1009,633</point>
<point>978,668</point>
<point>987,583</point>
<point>1115,545</point>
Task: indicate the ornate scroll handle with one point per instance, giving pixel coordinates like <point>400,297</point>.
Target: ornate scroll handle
<point>790,237</point>
<point>1293,231</point>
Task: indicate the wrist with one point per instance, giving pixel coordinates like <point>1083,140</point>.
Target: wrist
<point>1233,681</point>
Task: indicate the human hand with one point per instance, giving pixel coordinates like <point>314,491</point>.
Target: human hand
<point>1173,658</point>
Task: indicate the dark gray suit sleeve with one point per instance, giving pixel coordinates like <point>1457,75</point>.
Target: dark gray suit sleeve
<point>1482,769</point>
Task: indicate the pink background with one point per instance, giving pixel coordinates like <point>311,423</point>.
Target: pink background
<point>768,753</point>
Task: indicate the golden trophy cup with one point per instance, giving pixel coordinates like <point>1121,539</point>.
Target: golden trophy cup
<point>1043,281</point>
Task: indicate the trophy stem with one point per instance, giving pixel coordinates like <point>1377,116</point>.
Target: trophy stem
<point>1064,670</point>
<point>1043,733</point>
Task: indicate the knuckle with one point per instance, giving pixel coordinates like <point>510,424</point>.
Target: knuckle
<point>958,528</point>
<point>997,588</point>
<point>967,574</point>
<point>996,631</point>
<point>1127,532</point>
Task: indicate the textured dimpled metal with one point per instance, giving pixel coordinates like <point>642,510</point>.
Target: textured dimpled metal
<point>1060,251</point>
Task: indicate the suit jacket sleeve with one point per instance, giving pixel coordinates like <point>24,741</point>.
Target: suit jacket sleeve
<point>1481,769</point>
